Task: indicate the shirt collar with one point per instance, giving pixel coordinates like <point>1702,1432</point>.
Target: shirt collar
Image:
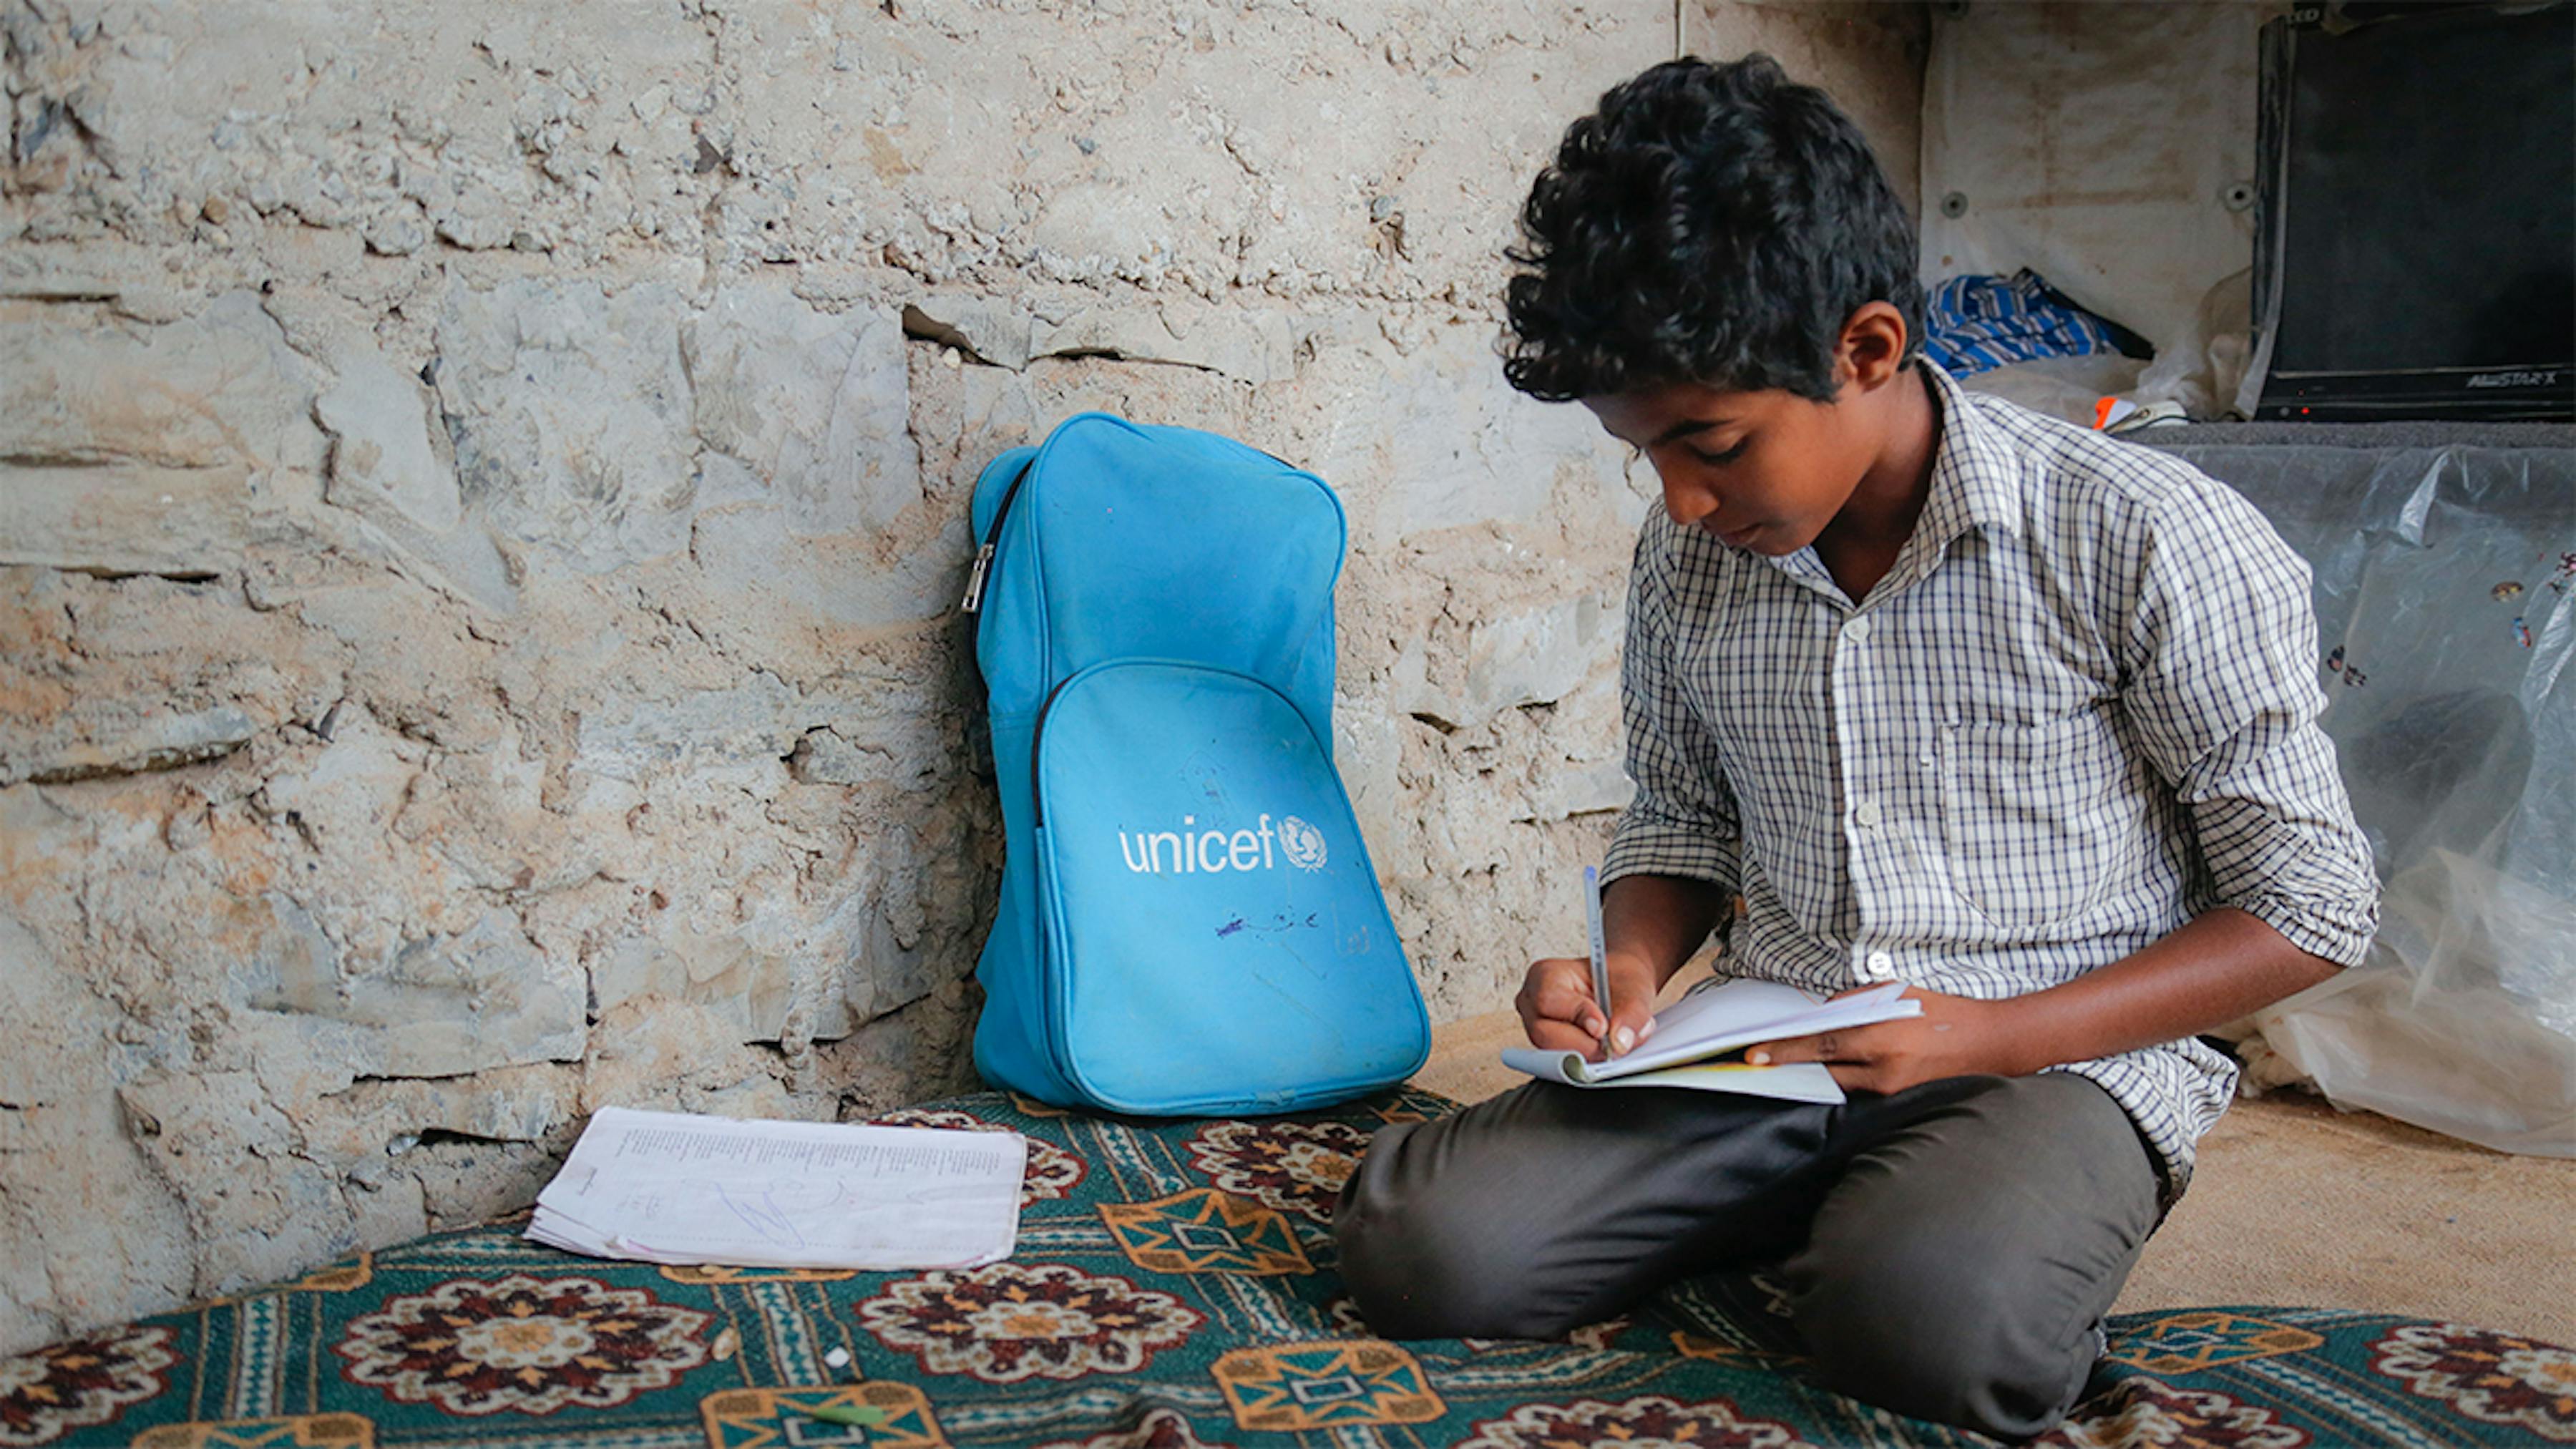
<point>1975,484</point>
<point>1976,478</point>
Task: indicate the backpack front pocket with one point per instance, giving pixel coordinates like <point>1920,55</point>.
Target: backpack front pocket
<point>1216,937</point>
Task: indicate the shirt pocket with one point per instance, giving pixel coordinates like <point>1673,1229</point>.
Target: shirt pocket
<point>2040,821</point>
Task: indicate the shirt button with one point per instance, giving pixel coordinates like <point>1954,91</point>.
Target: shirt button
<point>1857,631</point>
<point>1867,814</point>
<point>1879,967</point>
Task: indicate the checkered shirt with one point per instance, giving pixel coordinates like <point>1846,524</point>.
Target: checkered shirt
<point>2079,710</point>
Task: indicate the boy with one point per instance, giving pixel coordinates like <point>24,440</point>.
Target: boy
<point>1952,695</point>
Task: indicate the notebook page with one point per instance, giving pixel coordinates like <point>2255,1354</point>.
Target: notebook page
<point>674,1188</point>
<point>1738,1013</point>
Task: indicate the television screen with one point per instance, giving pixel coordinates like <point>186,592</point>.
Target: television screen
<point>2421,209</point>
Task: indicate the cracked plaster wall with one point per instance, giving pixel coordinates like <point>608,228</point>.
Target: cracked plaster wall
<point>481,502</point>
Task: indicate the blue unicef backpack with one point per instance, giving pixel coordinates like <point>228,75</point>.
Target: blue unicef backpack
<point>1189,924</point>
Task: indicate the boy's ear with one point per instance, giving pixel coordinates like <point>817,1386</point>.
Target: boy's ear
<point>1871,350</point>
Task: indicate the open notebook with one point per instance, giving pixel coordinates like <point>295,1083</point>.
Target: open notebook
<point>1694,1035</point>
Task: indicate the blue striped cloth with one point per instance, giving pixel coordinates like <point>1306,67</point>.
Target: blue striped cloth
<point>1978,322</point>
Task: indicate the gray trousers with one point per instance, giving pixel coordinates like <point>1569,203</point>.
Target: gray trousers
<point>1948,1250</point>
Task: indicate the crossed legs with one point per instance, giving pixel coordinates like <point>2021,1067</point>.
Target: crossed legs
<point>1949,1250</point>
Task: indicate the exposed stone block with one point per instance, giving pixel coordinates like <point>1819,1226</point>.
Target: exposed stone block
<point>750,990</point>
<point>260,1209</point>
<point>149,449</point>
<point>444,1003</point>
<point>391,463</point>
<point>1441,441</point>
<point>160,741</point>
<point>1581,789</point>
<point>569,409</point>
<point>756,556</point>
<point>382,462</point>
<point>760,718</point>
<point>481,998</point>
<point>811,405</point>
<point>1538,657</point>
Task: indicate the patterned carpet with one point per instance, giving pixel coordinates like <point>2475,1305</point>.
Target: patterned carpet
<point>1173,1287</point>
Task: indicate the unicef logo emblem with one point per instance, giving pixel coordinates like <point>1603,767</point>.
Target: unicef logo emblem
<point>1302,843</point>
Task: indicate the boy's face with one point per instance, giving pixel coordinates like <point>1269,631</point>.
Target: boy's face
<point>1764,471</point>
<point>1768,470</point>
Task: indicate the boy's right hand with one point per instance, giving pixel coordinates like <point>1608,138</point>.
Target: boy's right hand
<point>1559,1014</point>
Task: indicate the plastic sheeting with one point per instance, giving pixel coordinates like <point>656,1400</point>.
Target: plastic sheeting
<point>2446,607</point>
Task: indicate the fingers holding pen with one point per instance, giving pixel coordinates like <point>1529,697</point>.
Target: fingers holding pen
<point>1558,1012</point>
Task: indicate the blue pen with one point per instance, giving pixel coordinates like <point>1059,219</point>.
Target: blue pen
<point>1600,954</point>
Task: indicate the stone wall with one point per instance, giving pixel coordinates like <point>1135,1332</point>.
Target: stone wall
<point>481,506</point>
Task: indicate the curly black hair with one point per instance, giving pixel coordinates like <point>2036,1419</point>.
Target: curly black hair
<point>1714,224</point>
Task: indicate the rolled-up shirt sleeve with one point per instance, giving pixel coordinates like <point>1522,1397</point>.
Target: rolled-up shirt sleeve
<point>1682,820</point>
<point>2221,659</point>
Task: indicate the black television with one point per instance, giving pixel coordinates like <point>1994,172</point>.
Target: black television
<point>2415,248</point>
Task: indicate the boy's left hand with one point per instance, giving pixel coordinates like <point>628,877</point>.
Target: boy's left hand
<point>1956,1036</point>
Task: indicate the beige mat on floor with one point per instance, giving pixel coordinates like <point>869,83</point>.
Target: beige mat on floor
<point>2297,1203</point>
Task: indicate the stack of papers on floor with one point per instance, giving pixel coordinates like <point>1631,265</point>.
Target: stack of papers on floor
<point>669,1187</point>
<point>1719,1017</point>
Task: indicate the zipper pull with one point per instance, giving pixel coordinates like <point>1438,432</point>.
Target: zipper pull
<point>974,599</point>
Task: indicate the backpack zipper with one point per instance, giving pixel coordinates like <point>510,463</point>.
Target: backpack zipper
<point>1037,735</point>
<point>974,600</point>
